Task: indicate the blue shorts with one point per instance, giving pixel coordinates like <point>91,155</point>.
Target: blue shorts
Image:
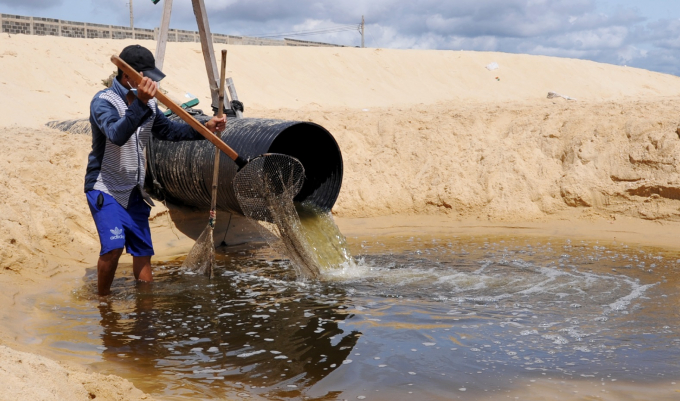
<point>118,227</point>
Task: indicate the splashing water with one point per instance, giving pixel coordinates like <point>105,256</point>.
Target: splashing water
<point>285,235</point>
<point>309,237</point>
<point>265,188</point>
<point>323,238</point>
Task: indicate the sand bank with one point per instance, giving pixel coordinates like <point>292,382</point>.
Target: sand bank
<point>431,141</point>
<point>58,77</point>
<point>27,376</point>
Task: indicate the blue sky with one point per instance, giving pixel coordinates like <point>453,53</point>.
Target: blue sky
<point>637,33</point>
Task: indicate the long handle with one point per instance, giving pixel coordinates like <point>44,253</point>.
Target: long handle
<point>188,118</point>
<point>216,167</point>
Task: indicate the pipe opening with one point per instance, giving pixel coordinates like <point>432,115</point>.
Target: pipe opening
<point>320,155</point>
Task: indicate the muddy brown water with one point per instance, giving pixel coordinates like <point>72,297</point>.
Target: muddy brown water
<point>426,317</point>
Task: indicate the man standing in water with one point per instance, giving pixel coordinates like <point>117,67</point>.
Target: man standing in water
<point>123,118</point>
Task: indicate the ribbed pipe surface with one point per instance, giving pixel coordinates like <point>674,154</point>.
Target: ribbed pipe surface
<point>184,169</point>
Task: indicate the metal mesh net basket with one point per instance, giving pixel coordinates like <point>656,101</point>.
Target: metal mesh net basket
<point>265,182</point>
<point>265,188</point>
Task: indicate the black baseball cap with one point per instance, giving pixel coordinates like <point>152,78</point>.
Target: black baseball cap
<point>141,59</point>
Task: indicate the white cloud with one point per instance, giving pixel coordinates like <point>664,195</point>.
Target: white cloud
<point>630,53</point>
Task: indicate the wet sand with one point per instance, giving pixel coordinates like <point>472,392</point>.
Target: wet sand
<point>622,230</point>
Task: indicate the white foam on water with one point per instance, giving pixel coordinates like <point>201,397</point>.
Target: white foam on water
<point>492,283</point>
<point>347,271</point>
<point>247,354</point>
<point>623,302</point>
<point>556,339</point>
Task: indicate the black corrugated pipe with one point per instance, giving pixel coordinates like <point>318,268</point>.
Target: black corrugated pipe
<point>184,169</point>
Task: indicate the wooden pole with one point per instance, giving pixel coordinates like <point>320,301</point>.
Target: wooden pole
<point>207,46</point>
<point>223,69</point>
<point>163,34</point>
<point>216,166</point>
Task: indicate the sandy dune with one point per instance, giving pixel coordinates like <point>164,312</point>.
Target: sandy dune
<point>422,133</point>
<point>60,75</point>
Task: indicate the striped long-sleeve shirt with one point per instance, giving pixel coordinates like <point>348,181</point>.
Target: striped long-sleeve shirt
<point>120,135</point>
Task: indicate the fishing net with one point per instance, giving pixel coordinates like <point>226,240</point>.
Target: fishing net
<point>265,188</point>
<point>266,180</point>
<point>78,127</point>
<point>201,258</point>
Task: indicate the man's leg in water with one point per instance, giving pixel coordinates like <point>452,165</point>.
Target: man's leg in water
<point>106,270</point>
<point>141,267</point>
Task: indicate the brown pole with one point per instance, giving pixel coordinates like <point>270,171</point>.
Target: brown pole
<point>216,166</point>
<point>188,118</point>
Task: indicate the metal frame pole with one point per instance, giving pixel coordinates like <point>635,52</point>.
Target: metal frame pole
<point>132,20</point>
<point>362,31</point>
<point>163,34</point>
<point>208,52</point>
